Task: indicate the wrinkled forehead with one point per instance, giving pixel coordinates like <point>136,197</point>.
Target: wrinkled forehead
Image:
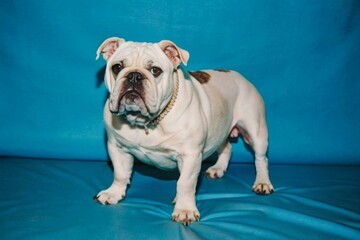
<point>135,53</point>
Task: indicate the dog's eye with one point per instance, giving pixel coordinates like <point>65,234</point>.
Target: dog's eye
<point>155,71</point>
<point>116,68</point>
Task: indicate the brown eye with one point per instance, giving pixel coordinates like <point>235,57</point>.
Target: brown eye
<point>116,68</point>
<point>155,71</point>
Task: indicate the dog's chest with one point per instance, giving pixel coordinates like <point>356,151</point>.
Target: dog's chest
<point>159,157</point>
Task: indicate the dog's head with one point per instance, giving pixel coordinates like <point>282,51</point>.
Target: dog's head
<point>140,76</point>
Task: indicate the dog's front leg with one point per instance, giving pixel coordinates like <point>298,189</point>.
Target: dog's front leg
<point>185,210</point>
<point>122,163</point>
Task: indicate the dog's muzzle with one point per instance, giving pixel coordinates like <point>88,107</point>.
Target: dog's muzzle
<point>130,98</point>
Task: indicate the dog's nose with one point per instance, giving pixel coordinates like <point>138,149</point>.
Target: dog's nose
<point>134,77</point>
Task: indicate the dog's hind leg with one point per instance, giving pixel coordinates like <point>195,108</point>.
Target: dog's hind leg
<point>218,170</point>
<point>259,142</point>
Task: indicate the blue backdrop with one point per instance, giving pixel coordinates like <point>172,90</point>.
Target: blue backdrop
<point>302,55</point>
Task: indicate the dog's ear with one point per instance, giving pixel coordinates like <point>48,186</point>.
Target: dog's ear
<point>108,47</point>
<point>174,53</point>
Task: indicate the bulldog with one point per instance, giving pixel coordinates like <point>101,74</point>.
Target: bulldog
<point>170,118</point>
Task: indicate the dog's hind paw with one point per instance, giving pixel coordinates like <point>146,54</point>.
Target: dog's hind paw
<point>214,172</point>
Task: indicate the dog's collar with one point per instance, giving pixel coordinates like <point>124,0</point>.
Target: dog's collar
<point>168,107</point>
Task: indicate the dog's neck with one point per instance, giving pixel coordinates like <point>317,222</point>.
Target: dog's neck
<point>168,107</point>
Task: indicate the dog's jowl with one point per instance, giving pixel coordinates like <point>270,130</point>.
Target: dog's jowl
<point>169,118</point>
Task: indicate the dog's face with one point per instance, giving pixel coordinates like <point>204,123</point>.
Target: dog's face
<point>139,77</point>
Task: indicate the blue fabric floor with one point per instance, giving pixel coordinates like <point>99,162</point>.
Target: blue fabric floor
<point>52,199</point>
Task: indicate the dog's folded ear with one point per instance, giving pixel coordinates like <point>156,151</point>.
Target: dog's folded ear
<point>174,53</point>
<point>108,47</point>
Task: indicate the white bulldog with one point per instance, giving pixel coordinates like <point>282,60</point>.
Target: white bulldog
<point>170,118</point>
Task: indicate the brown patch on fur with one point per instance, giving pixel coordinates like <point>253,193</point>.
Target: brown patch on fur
<point>222,70</point>
<point>202,77</point>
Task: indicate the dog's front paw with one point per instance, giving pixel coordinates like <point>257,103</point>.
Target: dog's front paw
<point>214,172</point>
<point>263,188</point>
<point>185,216</point>
<point>110,196</point>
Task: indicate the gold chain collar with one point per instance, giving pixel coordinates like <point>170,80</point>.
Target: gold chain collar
<point>168,107</point>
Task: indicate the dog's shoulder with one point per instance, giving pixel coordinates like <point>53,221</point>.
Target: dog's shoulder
<point>201,76</point>
<point>204,76</point>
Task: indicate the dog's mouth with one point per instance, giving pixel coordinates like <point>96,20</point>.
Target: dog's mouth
<point>129,103</point>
